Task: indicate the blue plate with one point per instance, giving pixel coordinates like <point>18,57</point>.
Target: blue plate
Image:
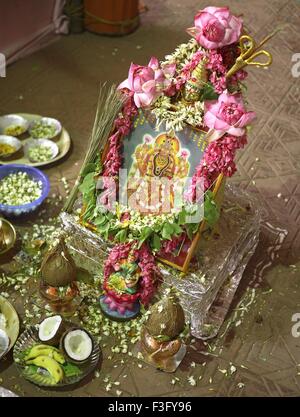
<point>35,174</point>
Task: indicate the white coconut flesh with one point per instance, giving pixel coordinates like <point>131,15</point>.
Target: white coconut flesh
<point>49,327</point>
<point>4,342</point>
<point>78,345</point>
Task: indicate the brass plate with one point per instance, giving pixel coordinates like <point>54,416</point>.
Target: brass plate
<point>63,142</point>
<point>12,321</point>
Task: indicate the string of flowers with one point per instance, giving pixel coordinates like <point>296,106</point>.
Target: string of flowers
<point>113,161</point>
<point>185,73</point>
<point>218,159</point>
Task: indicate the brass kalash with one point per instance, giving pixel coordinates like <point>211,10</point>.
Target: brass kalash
<point>7,236</point>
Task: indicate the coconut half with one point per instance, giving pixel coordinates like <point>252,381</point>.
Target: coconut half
<point>4,342</point>
<point>51,330</point>
<point>77,345</point>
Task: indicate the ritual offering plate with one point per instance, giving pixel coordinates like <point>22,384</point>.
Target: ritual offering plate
<point>56,353</point>
<point>43,135</point>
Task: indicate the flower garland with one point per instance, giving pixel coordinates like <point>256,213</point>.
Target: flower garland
<point>218,159</point>
<point>149,272</point>
<point>113,160</point>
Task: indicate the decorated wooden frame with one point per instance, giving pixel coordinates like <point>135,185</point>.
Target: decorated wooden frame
<point>190,146</point>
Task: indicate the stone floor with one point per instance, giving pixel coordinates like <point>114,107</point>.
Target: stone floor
<point>255,353</point>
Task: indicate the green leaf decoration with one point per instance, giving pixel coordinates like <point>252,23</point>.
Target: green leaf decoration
<point>211,210</point>
<point>155,242</point>
<point>182,217</point>
<point>145,234</point>
<point>177,230</point>
<point>208,92</point>
<point>100,220</point>
<point>91,167</point>
<point>191,229</point>
<point>167,231</point>
<point>121,236</point>
<point>71,370</point>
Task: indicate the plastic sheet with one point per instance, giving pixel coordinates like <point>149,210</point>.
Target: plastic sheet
<point>207,290</point>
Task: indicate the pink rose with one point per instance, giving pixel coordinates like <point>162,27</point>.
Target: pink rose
<point>227,114</point>
<point>216,27</point>
<point>146,83</point>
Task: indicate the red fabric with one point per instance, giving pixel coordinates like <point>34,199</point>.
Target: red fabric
<point>29,25</point>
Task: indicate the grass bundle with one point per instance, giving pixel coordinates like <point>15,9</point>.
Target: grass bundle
<point>109,105</point>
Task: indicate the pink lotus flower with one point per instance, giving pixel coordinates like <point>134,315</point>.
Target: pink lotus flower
<point>216,27</point>
<point>146,83</point>
<point>227,114</point>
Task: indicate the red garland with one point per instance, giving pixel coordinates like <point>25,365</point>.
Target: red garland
<point>218,159</point>
<point>122,127</point>
<point>149,272</point>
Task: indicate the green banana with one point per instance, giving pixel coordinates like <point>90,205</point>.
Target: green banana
<point>50,365</point>
<point>45,350</point>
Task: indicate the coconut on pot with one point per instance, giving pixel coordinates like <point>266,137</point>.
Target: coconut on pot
<point>166,320</point>
<point>58,268</point>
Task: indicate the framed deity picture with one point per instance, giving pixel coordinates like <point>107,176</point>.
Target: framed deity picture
<point>156,168</point>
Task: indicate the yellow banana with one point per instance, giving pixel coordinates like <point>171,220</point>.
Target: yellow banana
<point>45,350</point>
<point>50,365</point>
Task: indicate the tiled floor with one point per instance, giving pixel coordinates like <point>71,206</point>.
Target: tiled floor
<point>260,356</point>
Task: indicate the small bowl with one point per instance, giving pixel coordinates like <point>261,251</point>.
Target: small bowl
<point>34,173</point>
<point>33,143</point>
<point>10,140</point>
<point>8,236</point>
<point>13,120</point>
<point>46,121</point>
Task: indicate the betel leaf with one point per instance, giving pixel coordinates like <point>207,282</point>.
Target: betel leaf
<point>88,186</point>
<point>90,167</point>
<point>211,210</point>
<point>182,217</point>
<point>100,220</point>
<point>145,234</point>
<point>70,370</point>
<point>208,92</point>
<point>167,231</point>
<point>177,230</point>
<point>155,242</point>
<point>121,236</point>
<point>191,229</point>
<point>89,209</point>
